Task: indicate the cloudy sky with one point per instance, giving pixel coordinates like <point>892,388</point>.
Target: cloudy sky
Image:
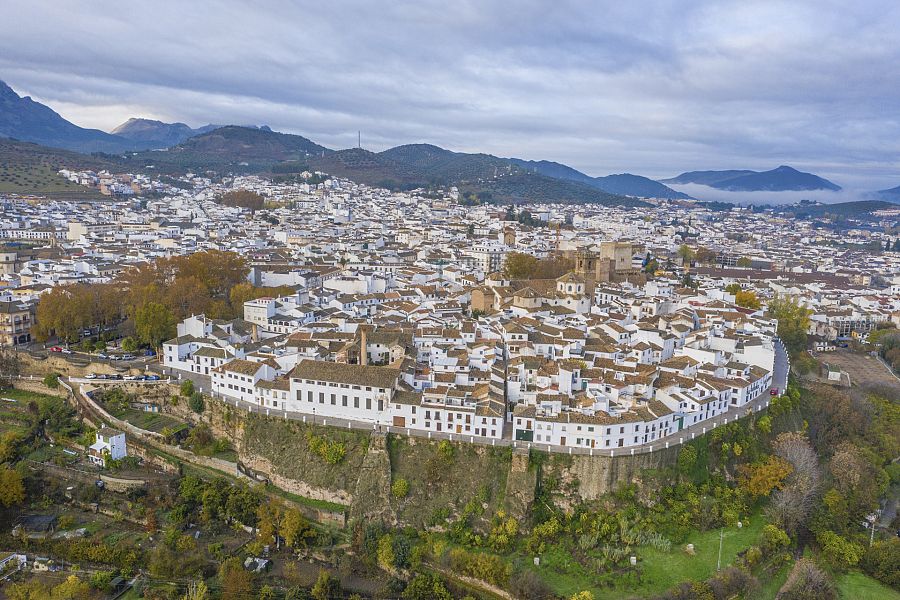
<point>649,87</point>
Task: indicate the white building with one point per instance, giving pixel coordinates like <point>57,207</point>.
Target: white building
<point>110,444</point>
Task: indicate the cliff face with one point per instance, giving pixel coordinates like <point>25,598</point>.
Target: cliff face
<point>444,480</point>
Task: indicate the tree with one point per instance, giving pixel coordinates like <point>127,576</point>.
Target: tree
<point>71,589</point>
<point>519,265</point>
<point>243,199</point>
<point>33,589</point>
<point>129,344</point>
<point>792,504</point>
<point>197,590</point>
<point>12,488</point>
<point>326,586</point>
<point>585,595</point>
<point>686,254</point>
<point>807,582</point>
<point>236,581</point>
<point>744,262</point>
<point>705,256</point>
<point>760,479</point>
<point>747,299</point>
<point>733,288</point>
<point>154,323</point>
<point>773,540</point>
<point>426,587</point>
<point>882,561</point>
<point>793,322</point>
<point>840,552</point>
<point>295,528</point>
<point>196,403</point>
<point>385,553</point>
<point>187,388</point>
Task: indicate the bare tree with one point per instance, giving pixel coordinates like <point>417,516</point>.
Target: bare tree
<point>807,582</point>
<point>9,367</point>
<point>792,504</point>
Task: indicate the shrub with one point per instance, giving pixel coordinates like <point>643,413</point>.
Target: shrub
<point>528,585</point>
<point>400,488</point>
<point>687,458</point>
<point>840,552</point>
<point>773,540</point>
<point>51,380</point>
<point>445,448</point>
<point>882,561</point>
<point>195,402</point>
<point>187,388</point>
<point>331,452</point>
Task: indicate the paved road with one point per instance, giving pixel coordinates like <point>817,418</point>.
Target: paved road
<point>779,380</point>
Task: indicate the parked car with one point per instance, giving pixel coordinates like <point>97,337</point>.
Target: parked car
<point>102,376</point>
<point>116,377</point>
<point>91,376</point>
<point>55,349</point>
<point>149,352</point>
<point>65,351</point>
<point>152,377</point>
<point>773,392</point>
<point>128,357</point>
<point>102,355</point>
<point>131,377</point>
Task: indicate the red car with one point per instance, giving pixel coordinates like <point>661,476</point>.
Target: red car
<point>773,392</point>
<point>56,349</point>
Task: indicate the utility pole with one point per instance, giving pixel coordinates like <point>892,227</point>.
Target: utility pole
<point>719,561</point>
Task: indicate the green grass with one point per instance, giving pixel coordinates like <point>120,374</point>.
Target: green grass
<point>311,502</point>
<point>772,583</point>
<point>660,571</point>
<point>857,585</point>
<point>147,420</point>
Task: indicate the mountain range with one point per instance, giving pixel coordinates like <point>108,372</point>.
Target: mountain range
<point>156,134</point>
<point>779,179</point>
<point>176,148</point>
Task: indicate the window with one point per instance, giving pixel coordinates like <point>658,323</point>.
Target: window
<point>343,400</point>
<point>368,404</point>
<point>333,399</point>
<point>321,398</point>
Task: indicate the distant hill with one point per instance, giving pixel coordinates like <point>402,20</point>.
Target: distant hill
<point>27,168</point>
<point>493,179</point>
<point>710,178</point>
<point>147,133</point>
<point>625,183</point>
<point>526,187</point>
<point>30,121</point>
<point>891,195</point>
<point>780,179</point>
<point>841,209</point>
<point>230,149</point>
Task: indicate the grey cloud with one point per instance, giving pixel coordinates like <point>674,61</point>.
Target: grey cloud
<point>652,87</point>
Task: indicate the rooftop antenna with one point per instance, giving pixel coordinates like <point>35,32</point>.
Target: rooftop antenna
<point>358,139</point>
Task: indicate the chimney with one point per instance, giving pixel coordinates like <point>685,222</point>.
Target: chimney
<point>363,355</point>
<point>254,333</point>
